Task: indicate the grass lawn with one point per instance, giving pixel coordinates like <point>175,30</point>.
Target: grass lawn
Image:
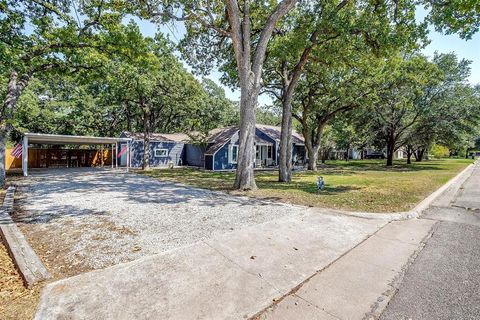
<point>361,185</point>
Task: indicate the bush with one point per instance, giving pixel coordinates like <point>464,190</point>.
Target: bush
<point>440,151</point>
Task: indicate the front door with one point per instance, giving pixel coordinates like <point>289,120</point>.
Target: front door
<point>264,153</point>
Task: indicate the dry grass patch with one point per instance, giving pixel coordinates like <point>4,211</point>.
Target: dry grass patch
<point>16,301</point>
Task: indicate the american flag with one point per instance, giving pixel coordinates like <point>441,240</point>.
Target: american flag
<point>17,151</point>
<point>122,151</point>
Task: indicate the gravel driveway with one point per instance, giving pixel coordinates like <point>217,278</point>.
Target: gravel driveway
<point>83,219</point>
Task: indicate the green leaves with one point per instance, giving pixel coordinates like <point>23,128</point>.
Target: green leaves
<point>455,16</point>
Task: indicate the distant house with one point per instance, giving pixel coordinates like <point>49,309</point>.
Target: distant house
<point>218,152</point>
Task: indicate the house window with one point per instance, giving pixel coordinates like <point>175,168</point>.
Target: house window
<point>161,153</point>
<point>234,154</point>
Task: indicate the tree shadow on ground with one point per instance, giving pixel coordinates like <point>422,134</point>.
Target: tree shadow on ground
<point>40,190</point>
<point>20,215</point>
<point>308,187</point>
<point>381,168</point>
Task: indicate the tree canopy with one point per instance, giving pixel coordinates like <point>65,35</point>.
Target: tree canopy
<point>337,68</point>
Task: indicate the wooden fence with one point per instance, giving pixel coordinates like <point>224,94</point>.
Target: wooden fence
<point>60,158</point>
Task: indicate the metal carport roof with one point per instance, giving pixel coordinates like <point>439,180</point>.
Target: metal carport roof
<point>41,138</point>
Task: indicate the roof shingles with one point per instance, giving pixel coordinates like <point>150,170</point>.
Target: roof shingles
<point>218,137</point>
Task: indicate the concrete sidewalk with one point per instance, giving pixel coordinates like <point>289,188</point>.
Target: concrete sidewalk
<point>459,204</point>
<point>468,196</point>
<point>233,276</point>
<point>360,283</point>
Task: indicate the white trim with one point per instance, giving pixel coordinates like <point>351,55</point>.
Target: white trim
<point>128,155</point>
<point>230,153</point>
<point>41,138</point>
<point>25,156</point>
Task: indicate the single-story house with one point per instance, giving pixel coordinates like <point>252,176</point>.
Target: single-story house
<point>218,152</point>
<point>222,150</point>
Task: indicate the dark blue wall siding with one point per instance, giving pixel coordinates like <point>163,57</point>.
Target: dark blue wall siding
<point>175,153</point>
<point>194,156</point>
<point>221,156</point>
<point>221,159</point>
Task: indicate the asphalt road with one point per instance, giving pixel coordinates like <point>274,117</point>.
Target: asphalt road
<point>444,280</point>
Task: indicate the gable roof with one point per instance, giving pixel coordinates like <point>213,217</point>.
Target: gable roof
<point>167,137</point>
<point>219,137</point>
<point>275,133</point>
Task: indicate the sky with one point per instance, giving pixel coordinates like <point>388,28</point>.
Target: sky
<point>464,49</point>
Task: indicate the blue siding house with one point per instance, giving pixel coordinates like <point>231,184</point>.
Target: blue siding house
<point>164,149</point>
<point>220,152</point>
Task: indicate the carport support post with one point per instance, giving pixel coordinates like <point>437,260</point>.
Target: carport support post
<point>101,155</point>
<point>25,156</point>
<point>116,155</point>
<point>128,154</point>
<point>112,156</point>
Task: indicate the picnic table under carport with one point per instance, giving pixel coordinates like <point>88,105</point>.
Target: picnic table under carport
<point>54,139</point>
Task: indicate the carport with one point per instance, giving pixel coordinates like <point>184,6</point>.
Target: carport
<point>55,139</point>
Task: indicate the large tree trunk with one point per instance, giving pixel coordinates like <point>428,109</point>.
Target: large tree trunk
<point>390,151</point>
<point>409,154</point>
<point>420,154</point>
<point>245,178</point>
<point>313,156</point>
<point>312,140</point>
<point>14,90</point>
<point>3,141</point>
<point>249,67</point>
<point>290,83</point>
<point>285,159</point>
<point>347,156</point>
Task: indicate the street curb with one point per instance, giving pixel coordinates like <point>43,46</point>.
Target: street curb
<point>28,264</point>
<point>418,209</point>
